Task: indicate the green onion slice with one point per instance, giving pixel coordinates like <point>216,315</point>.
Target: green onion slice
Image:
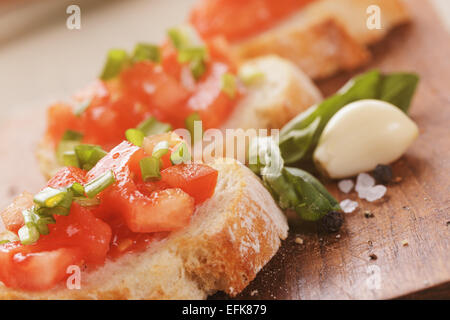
<point>98,185</point>
<point>190,125</point>
<point>88,155</point>
<point>70,159</point>
<point>49,197</point>
<point>28,234</point>
<point>77,189</point>
<point>150,169</point>
<point>116,61</point>
<point>228,84</point>
<point>135,136</point>
<point>152,126</point>
<point>8,236</point>
<point>82,106</point>
<point>180,154</point>
<point>160,149</point>
<point>144,51</point>
<point>250,75</point>
<point>71,135</point>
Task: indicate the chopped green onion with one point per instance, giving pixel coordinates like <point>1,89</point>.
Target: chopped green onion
<point>152,126</point>
<point>8,236</point>
<point>71,135</point>
<point>150,169</point>
<point>190,125</point>
<point>250,75</point>
<point>144,51</point>
<point>63,147</point>
<point>182,37</point>
<point>160,149</point>
<point>228,84</point>
<point>49,197</point>
<point>28,234</point>
<point>82,106</point>
<point>117,60</point>
<point>88,155</point>
<point>197,67</point>
<point>190,54</point>
<point>77,189</point>
<point>98,185</point>
<point>180,154</point>
<point>70,159</point>
<point>135,136</point>
<point>86,202</point>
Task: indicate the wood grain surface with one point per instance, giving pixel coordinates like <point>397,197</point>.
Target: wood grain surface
<point>415,210</point>
<point>338,266</point>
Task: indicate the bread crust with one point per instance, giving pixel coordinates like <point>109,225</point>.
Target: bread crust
<point>230,238</point>
<point>320,49</point>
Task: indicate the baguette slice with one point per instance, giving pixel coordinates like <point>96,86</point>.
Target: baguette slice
<point>353,15</point>
<point>326,36</point>
<point>230,238</point>
<point>283,92</point>
<point>319,48</point>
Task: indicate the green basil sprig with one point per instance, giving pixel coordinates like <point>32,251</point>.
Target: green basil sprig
<point>292,188</point>
<point>300,136</point>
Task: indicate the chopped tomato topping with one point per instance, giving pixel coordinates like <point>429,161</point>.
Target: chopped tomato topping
<point>167,91</point>
<point>237,19</point>
<point>131,215</point>
<point>21,267</point>
<point>198,180</point>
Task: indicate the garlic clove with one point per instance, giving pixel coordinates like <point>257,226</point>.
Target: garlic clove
<point>362,135</point>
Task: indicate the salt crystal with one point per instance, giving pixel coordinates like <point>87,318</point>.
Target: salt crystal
<point>346,185</point>
<point>348,206</point>
<point>374,193</point>
<point>363,182</point>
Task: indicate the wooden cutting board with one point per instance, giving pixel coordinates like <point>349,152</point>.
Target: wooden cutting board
<point>415,210</point>
<point>338,266</point>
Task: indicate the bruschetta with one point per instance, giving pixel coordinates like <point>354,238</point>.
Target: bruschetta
<point>322,37</point>
<point>197,229</point>
<point>263,93</point>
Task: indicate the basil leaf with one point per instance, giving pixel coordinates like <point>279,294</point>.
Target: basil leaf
<point>397,89</point>
<point>292,188</point>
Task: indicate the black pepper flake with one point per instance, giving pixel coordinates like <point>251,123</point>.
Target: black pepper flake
<point>332,222</point>
<point>373,256</point>
<point>383,174</point>
<point>368,214</point>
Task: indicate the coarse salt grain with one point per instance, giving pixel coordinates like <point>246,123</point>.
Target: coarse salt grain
<point>363,182</point>
<point>375,193</point>
<point>346,185</point>
<point>348,205</point>
<point>366,188</point>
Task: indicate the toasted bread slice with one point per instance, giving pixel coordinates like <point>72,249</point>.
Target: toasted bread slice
<point>230,238</point>
<point>326,36</point>
<point>354,15</point>
<point>319,48</point>
<point>283,92</point>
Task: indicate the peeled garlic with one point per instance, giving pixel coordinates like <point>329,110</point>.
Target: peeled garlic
<point>362,135</point>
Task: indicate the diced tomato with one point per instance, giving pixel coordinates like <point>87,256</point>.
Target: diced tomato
<point>79,229</point>
<point>60,117</point>
<point>198,180</point>
<point>210,101</point>
<point>12,216</point>
<point>22,268</point>
<point>155,88</point>
<point>173,140</point>
<point>231,18</point>
<point>163,210</point>
<point>66,177</point>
